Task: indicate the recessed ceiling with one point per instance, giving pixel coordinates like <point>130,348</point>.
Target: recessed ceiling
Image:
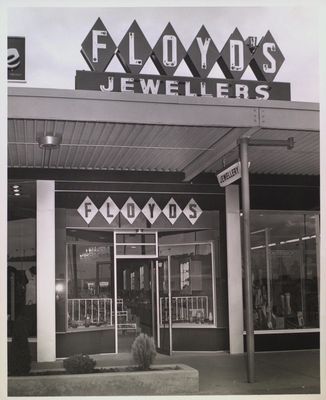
<point>146,147</point>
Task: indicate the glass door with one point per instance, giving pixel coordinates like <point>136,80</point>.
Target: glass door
<point>162,294</point>
<point>133,310</point>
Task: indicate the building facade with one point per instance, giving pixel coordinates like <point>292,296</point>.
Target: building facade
<point>117,224</point>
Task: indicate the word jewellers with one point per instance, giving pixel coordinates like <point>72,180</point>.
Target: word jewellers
<point>265,59</point>
<point>131,211</point>
<point>183,86</point>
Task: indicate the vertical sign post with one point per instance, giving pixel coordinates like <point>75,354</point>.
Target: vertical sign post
<point>249,325</point>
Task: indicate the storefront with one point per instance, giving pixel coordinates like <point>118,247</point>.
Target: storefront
<point>142,257</point>
<point>114,203</point>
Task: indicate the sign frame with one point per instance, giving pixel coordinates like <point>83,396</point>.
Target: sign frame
<point>230,174</point>
<point>265,59</point>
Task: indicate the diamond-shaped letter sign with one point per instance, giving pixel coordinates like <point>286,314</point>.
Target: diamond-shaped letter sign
<point>168,52</point>
<point>109,210</point>
<point>151,210</point>
<point>202,54</point>
<point>134,49</point>
<point>235,56</point>
<point>192,211</point>
<point>172,211</point>
<point>98,47</point>
<point>267,59</point>
<point>87,210</point>
<point>130,210</point>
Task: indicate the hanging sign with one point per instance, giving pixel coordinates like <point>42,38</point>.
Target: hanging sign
<point>16,58</point>
<point>133,52</point>
<point>130,210</point>
<point>229,175</point>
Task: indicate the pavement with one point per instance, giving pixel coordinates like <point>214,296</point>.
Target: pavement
<point>286,372</point>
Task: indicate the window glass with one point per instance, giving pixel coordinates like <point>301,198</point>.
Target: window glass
<point>191,285</point>
<point>141,277</point>
<point>284,270</point>
<point>21,277</point>
<point>136,244</point>
<point>90,285</point>
<point>136,238</point>
<point>136,250</point>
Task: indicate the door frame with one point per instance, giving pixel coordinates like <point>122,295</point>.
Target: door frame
<point>158,304</point>
<point>129,256</point>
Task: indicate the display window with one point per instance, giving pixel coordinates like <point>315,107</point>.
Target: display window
<point>192,285</point>
<point>285,270</point>
<point>21,276</point>
<point>90,278</point>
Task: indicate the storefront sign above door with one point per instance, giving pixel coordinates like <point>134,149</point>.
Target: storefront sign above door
<point>133,52</point>
<point>130,210</point>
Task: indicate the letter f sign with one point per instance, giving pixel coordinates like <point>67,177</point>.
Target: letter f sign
<point>98,47</point>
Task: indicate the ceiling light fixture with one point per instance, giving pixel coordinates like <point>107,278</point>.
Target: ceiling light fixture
<point>49,142</point>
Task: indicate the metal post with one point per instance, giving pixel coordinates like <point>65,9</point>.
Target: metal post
<point>247,260</point>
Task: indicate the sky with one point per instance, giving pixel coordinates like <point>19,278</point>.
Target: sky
<point>54,36</point>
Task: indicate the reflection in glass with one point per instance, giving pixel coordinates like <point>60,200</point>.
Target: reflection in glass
<point>134,238</point>
<point>136,250</point>
<point>284,270</point>
<point>22,272</point>
<point>90,285</point>
<point>191,285</point>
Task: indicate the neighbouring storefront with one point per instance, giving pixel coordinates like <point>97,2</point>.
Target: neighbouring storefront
<point>117,224</point>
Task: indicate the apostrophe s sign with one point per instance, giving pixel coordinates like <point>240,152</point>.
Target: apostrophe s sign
<point>16,58</point>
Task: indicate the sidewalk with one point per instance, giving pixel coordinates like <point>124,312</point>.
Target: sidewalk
<point>295,372</point>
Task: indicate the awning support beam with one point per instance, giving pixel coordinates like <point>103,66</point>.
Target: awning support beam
<point>289,143</point>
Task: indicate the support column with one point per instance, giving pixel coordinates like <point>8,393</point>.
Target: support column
<point>45,244</point>
<point>249,324</point>
<point>235,298</point>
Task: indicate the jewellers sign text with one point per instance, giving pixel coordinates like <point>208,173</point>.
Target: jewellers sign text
<point>265,59</point>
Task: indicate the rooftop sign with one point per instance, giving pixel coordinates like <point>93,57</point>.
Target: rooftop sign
<point>265,59</point>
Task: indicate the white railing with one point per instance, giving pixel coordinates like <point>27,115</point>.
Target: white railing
<point>98,310</point>
<point>184,308</point>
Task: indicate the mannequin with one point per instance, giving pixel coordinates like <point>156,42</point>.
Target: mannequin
<point>30,293</point>
<point>30,300</point>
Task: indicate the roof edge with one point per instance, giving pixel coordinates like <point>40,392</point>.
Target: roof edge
<point>151,98</point>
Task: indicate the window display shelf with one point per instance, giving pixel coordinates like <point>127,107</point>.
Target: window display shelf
<point>88,329</point>
<point>285,331</point>
<point>22,259</point>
